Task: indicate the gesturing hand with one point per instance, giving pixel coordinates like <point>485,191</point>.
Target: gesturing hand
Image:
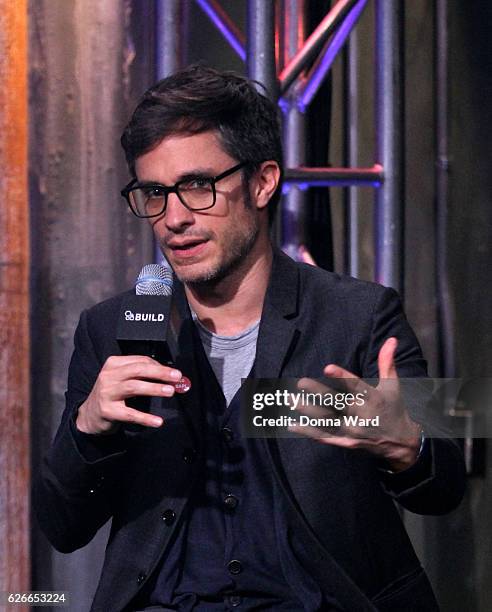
<point>120,378</point>
<point>396,438</point>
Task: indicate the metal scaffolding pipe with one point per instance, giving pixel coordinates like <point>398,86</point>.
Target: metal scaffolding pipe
<point>340,177</point>
<point>352,199</point>
<point>168,37</point>
<point>314,43</point>
<point>445,314</point>
<point>261,45</point>
<point>168,48</point>
<point>294,201</point>
<point>261,61</point>
<point>225,25</point>
<point>389,198</point>
<point>326,59</point>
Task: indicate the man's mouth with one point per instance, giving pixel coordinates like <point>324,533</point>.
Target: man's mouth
<point>187,248</point>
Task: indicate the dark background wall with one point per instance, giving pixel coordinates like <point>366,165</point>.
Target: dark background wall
<point>469,251</point>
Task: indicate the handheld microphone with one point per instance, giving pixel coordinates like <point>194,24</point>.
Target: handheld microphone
<point>144,316</point>
<point>144,321</point>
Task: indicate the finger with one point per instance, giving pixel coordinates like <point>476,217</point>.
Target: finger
<point>320,424</point>
<point>125,414</point>
<point>311,431</point>
<point>324,437</point>
<point>343,441</point>
<point>314,410</point>
<point>116,361</point>
<point>135,387</point>
<point>320,400</point>
<point>352,382</point>
<point>312,385</point>
<point>150,370</point>
<point>386,359</point>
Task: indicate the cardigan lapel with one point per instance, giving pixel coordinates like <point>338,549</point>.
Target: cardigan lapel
<point>278,334</point>
<point>277,329</point>
<point>277,339</point>
<point>185,346</point>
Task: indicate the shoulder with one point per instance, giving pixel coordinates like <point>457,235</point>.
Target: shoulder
<point>326,288</point>
<point>95,338</point>
<point>107,308</point>
<point>105,313</point>
<point>310,292</point>
<point>352,318</point>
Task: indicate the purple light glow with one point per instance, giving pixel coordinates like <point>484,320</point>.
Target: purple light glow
<point>334,177</point>
<point>320,71</point>
<point>226,29</point>
<point>305,184</point>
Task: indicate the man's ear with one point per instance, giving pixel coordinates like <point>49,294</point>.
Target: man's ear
<point>264,183</point>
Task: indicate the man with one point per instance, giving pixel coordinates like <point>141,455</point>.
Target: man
<point>203,517</point>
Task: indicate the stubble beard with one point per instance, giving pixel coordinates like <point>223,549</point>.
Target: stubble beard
<point>238,246</point>
<point>237,249</point>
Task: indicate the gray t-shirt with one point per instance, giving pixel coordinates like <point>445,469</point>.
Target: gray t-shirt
<point>231,357</point>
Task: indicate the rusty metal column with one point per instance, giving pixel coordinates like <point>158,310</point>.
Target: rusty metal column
<point>89,62</point>
<point>14,302</point>
<point>389,197</point>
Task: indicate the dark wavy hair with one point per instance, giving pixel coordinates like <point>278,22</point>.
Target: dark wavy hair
<point>198,99</point>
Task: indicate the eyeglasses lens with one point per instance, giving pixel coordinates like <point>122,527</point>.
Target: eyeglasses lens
<point>147,201</point>
<point>197,194</point>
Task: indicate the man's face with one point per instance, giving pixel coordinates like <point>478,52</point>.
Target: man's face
<point>201,246</point>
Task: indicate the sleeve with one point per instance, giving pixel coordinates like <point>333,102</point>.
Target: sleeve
<point>93,448</point>
<point>435,483</point>
<point>78,478</point>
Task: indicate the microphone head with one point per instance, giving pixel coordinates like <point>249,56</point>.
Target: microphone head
<point>154,279</point>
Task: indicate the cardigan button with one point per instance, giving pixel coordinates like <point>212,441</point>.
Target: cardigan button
<point>235,567</point>
<point>189,455</point>
<point>230,501</point>
<point>169,516</point>
<point>227,435</point>
<point>141,577</point>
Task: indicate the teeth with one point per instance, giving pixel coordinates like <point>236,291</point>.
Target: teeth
<point>188,246</point>
<point>185,247</point>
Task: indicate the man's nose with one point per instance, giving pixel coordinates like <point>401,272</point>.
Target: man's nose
<point>177,216</point>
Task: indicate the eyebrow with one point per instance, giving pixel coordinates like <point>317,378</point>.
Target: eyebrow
<point>197,173</point>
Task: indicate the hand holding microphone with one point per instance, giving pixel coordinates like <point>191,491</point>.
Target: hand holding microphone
<point>126,382</point>
<point>123,377</point>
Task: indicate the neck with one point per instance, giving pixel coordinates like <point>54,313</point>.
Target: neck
<point>234,303</point>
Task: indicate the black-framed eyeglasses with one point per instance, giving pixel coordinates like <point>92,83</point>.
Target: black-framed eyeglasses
<point>194,192</point>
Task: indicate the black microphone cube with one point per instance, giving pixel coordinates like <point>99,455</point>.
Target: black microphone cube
<point>142,330</point>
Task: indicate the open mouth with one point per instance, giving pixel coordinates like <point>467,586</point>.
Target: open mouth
<point>188,248</point>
